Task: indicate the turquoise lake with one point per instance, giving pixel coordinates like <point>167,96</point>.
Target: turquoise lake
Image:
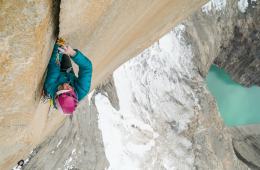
<point>238,105</point>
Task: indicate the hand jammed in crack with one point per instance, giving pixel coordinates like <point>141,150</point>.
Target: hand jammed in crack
<point>66,49</point>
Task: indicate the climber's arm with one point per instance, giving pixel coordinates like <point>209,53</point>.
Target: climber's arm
<point>83,81</point>
<point>52,73</point>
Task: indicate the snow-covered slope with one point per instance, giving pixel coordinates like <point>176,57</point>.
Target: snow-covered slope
<point>161,121</point>
<point>155,108</point>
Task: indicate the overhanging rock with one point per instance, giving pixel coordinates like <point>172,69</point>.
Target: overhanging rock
<point>108,31</point>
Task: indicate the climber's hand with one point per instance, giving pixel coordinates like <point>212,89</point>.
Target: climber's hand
<point>66,49</point>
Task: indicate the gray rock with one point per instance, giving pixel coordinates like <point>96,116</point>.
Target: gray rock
<point>76,145</point>
<point>227,38</point>
<point>246,144</point>
<point>230,39</point>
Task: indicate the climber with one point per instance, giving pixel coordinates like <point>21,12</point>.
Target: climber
<point>61,84</point>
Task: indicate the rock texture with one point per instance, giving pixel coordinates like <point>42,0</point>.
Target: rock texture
<point>208,31</point>
<point>230,38</point>
<point>246,144</point>
<point>112,31</point>
<point>27,33</point>
<point>76,145</point>
<point>167,118</point>
<point>231,41</point>
<point>165,108</point>
<point>106,30</point>
<point>243,49</point>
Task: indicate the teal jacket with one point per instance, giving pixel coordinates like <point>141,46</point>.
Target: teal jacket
<point>55,77</point>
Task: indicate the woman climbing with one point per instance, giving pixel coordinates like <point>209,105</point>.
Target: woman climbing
<point>61,84</point>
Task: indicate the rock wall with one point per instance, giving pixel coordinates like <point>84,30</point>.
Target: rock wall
<point>246,143</point>
<point>121,28</point>
<point>27,33</point>
<point>243,49</point>
<point>76,144</point>
<point>109,32</point>
<point>191,134</point>
<point>230,38</point>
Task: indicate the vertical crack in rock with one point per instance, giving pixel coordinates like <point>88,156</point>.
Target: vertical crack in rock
<point>55,12</point>
<point>78,143</point>
<point>56,16</point>
<point>28,30</point>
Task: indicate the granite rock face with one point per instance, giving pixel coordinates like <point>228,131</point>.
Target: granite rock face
<point>112,31</point>
<point>27,33</point>
<point>243,49</point>
<point>230,38</point>
<point>160,105</point>
<point>102,29</point>
<point>77,144</point>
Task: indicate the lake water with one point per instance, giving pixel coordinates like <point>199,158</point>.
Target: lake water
<point>238,105</point>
